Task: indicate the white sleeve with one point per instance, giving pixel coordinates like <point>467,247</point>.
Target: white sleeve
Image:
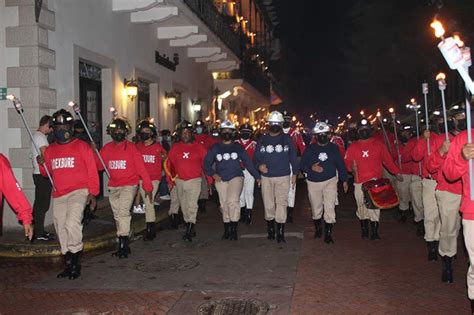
<point>40,140</point>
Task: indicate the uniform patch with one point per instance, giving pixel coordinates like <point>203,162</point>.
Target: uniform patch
<point>365,153</point>
<point>219,157</point>
<point>323,156</point>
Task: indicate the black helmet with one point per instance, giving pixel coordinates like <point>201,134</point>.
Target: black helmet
<point>146,124</point>
<point>119,124</point>
<point>363,123</point>
<point>184,125</point>
<point>287,116</point>
<point>78,125</point>
<point>62,117</point>
<point>246,128</point>
<point>457,109</point>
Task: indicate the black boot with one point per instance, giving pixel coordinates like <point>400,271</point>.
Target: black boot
<point>75,267</point>
<point>271,229</point>
<point>364,227</point>
<point>189,231</point>
<point>420,228</point>
<point>403,216</point>
<point>150,233</point>
<point>281,232</point>
<point>248,218</point>
<point>127,245</point>
<point>328,233</point>
<point>243,214</point>
<point>447,271</point>
<point>233,231</point>
<point>432,251</point>
<point>226,231</point>
<point>67,266</point>
<point>317,228</point>
<point>289,216</point>
<point>174,221</point>
<point>472,307</point>
<point>202,205</point>
<point>374,231</point>
<point>122,250</point>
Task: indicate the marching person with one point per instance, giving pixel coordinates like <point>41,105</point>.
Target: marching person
<point>73,170</point>
<point>448,196</point>
<point>366,159</point>
<point>407,144</point>
<point>430,205</point>
<point>153,155</point>
<point>323,164</point>
<point>201,136</point>
<point>126,167</point>
<point>185,162</point>
<point>456,166</point>
<point>275,157</point>
<point>300,145</point>
<point>227,157</point>
<point>42,184</point>
<point>247,195</point>
<point>11,190</point>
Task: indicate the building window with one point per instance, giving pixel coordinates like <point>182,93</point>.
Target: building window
<point>90,72</point>
<point>143,104</point>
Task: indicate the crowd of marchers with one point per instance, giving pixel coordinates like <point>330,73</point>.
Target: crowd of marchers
<point>428,175</point>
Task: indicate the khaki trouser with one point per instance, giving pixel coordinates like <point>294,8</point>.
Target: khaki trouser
<point>247,195</point>
<point>68,211</point>
<point>229,198</point>
<point>292,191</point>
<point>468,232</point>
<point>393,180</point>
<point>362,212</point>
<point>121,200</point>
<point>174,202</point>
<point>322,196</point>
<point>403,190</point>
<point>432,224</point>
<point>448,204</point>
<point>188,195</point>
<point>150,215</point>
<point>204,194</point>
<point>416,192</point>
<point>275,197</point>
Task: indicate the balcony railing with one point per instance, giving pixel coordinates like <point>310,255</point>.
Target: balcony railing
<point>209,14</point>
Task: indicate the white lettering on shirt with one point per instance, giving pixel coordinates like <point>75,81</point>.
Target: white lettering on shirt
<point>67,162</point>
<point>149,159</point>
<point>118,165</point>
<point>365,153</point>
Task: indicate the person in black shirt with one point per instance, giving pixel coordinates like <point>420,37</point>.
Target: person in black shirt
<point>323,164</point>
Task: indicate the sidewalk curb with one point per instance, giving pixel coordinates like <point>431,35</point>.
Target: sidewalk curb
<point>28,250</point>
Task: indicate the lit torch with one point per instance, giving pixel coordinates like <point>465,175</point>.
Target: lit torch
<point>424,90</point>
<point>414,106</point>
<point>391,110</point>
<point>441,78</point>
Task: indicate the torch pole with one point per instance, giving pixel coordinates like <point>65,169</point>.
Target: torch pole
<point>418,138</point>
<point>385,137</point>
<point>425,93</point>
<point>397,147</point>
<point>445,116</point>
<point>77,110</point>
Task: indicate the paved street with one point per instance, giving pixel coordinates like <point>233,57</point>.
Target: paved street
<point>303,276</point>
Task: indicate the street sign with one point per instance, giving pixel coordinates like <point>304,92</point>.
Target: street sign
<point>3,94</point>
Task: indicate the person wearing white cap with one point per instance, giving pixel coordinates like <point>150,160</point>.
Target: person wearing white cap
<point>275,156</point>
<point>323,165</point>
<point>228,176</point>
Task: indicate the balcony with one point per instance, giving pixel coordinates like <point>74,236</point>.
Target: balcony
<point>209,14</point>
<point>250,73</point>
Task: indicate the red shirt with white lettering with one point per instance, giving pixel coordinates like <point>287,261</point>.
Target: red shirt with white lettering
<point>10,188</point>
<point>152,158</point>
<point>72,167</point>
<point>125,165</point>
<point>370,156</point>
<point>249,146</point>
<point>187,160</point>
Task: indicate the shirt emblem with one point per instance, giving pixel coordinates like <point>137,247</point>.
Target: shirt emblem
<point>186,155</point>
<point>219,157</point>
<point>365,153</point>
<point>323,156</point>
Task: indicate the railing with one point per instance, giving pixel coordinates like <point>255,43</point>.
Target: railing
<point>209,14</point>
<point>253,75</point>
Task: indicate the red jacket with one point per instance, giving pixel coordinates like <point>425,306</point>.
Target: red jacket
<point>125,165</point>
<point>10,188</point>
<point>370,156</point>
<point>249,146</point>
<point>409,167</point>
<point>72,167</point>
<point>152,158</point>
<point>420,153</point>
<point>186,160</point>
<point>297,138</point>
<point>456,167</point>
<point>205,140</point>
<point>435,164</point>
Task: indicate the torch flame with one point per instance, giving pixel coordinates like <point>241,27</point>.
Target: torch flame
<point>379,114</point>
<point>391,110</point>
<point>152,120</point>
<point>71,103</point>
<point>11,97</point>
<point>440,76</point>
<point>438,28</point>
<point>362,113</point>
<point>413,101</point>
<point>112,109</point>
<point>458,40</point>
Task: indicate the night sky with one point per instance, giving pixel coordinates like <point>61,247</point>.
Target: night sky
<point>341,56</point>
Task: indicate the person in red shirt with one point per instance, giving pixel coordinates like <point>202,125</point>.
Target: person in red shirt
<point>247,195</point>
<point>76,183</point>
<point>430,205</point>
<point>300,145</point>
<point>456,166</point>
<point>366,158</point>
<point>201,136</point>
<point>153,156</point>
<point>448,196</point>
<point>126,167</point>
<point>11,190</point>
<point>186,162</point>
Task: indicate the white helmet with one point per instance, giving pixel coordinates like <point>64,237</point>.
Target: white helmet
<point>321,127</point>
<point>275,117</point>
<point>226,124</point>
